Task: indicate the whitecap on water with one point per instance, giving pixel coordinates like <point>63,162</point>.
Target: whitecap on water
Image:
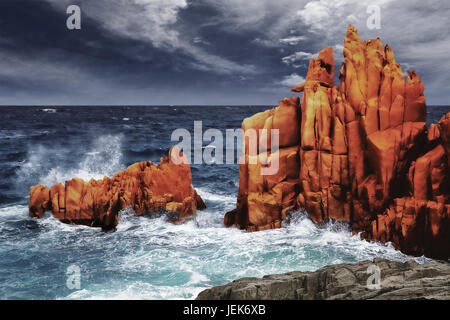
<point>13,211</point>
<point>49,110</point>
<point>210,196</point>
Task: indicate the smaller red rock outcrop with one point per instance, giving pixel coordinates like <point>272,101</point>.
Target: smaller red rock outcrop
<point>145,187</point>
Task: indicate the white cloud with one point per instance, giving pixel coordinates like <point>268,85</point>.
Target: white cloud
<point>292,80</point>
<point>326,16</point>
<point>315,13</point>
<point>292,40</point>
<point>198,40</point>
<point>305,56</point>
<point>298,56</point>
<point>273,19</point>
<point>209,62</point>
<point>149,20</point>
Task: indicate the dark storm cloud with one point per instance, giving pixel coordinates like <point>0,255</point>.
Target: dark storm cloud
<point>105,62</point>
<point>41,57</point>
<point>197,51</point>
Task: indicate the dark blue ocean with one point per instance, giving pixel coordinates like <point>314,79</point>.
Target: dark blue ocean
<point>145,258</point>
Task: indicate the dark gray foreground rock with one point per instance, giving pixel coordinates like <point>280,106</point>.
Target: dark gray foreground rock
<point>399,281</point>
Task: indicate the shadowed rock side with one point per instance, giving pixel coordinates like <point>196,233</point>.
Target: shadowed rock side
<point>145,187</point>
<point>399,281</point>
<point>359,152</point>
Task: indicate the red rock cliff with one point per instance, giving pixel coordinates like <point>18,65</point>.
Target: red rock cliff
<point>359,152</point>
<point>144,186</point>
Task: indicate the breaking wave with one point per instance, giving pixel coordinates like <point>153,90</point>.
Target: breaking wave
<point>102,158</point>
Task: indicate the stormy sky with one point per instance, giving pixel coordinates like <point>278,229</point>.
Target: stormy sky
<point>202,52</point>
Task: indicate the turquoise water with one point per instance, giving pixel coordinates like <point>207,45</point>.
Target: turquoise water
<point>152,259</point>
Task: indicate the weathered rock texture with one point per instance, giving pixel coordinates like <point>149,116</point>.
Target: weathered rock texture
<point>145,187</point>
<point>359,152</point>
<point>399,281</point>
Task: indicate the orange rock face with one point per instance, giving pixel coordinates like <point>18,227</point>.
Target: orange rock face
<point>145,187</point>
<point>359,152</point>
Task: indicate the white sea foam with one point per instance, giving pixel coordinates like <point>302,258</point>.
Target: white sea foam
<point>12,211</point>
<point>49,110</point>
<point>153,259</point>
<point>137,291</point>
<point>104,159</point>
<point>208,195</point>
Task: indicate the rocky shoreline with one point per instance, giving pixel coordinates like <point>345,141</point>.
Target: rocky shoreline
<point>398,281</point>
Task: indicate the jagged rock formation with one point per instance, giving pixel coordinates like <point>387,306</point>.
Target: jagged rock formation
<point>145,187</point>
<point>399,281</point>
<point>359,152</point>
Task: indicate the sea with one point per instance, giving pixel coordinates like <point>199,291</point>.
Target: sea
<point>144,258</point>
